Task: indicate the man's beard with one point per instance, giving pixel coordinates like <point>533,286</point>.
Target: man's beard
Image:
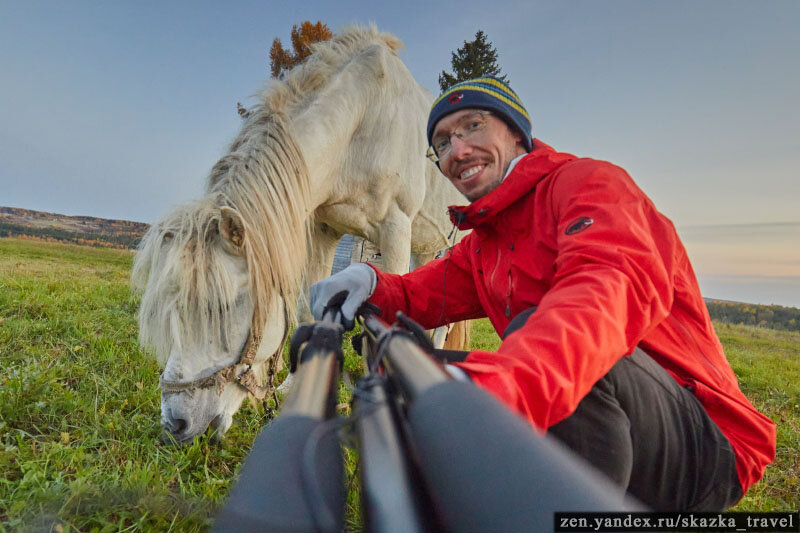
<point>484,191</point>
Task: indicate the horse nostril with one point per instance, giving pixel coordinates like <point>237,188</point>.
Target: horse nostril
<point>174,426</point>
<point>177,426</point>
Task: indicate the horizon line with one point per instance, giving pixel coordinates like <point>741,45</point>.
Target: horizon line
<point>739,225</point>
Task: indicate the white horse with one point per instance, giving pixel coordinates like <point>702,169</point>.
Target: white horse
<point>336,147</point>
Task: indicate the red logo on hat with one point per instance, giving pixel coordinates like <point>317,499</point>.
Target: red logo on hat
<point>455,98</point>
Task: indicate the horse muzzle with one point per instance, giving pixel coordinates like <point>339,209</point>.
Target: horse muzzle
<point>181,423</point>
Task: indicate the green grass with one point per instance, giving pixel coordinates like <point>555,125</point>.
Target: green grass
<point>767,363</point>
<point>79,405</point>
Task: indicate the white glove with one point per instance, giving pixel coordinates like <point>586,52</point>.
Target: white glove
<point>358,280</point>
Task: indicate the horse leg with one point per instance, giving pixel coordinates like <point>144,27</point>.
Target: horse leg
<point>458,336</point>
<point>321,252</point>
<point>394,240</point>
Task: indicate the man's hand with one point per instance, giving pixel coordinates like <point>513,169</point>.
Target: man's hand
<point>358,280</point>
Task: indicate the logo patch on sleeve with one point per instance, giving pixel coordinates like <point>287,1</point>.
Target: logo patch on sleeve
<point>578,225</point>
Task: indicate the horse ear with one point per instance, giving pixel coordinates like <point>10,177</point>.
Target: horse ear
<point>376,58</point>
<point>232,230</point>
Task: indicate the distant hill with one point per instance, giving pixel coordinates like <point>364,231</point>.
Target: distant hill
<point>53,227</point>
<point>768,316</point>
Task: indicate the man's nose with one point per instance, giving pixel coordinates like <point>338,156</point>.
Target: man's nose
<point>459,148</point>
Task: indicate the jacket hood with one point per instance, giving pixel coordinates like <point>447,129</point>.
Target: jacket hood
<point>529,171</point>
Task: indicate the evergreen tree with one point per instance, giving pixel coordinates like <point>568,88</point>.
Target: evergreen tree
<point>476,58</point>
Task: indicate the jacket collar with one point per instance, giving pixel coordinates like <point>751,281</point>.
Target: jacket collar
<point>523,179</point>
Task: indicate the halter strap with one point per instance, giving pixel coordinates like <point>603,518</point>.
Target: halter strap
<point>229,374</point>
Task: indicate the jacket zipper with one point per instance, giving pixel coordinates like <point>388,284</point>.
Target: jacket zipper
<point>508,294</point>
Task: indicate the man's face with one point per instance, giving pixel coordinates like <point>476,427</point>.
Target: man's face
<point>476,164</point>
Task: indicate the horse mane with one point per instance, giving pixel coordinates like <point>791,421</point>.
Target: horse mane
<point>327,58</point>
<point>179,266</point>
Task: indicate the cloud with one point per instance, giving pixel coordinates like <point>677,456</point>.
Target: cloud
<point>761,250</point>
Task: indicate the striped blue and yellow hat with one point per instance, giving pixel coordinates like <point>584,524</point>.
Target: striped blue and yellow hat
<point>486,92</point>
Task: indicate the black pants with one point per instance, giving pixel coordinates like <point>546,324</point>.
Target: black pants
<point>651,436</point>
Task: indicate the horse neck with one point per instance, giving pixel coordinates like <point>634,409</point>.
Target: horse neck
<point>323,129</point>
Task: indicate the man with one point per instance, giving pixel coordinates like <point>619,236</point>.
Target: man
<point>607,343</point>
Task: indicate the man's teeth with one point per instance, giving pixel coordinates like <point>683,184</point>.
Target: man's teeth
<point>471,171</point>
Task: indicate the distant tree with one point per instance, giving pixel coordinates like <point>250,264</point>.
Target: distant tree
<point>281,60</point>
<point>770,316</point>
<point>476,58</point>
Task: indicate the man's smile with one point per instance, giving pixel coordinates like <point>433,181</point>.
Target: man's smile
<point>470,172</point>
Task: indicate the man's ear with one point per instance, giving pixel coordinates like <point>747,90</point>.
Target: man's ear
<point>231,229</point>
<point>520,144</point>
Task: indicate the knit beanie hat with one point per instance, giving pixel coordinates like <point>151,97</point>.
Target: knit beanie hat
<point>486,92</point>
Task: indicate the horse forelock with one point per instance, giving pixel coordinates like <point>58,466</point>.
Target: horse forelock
<point>187,292</point>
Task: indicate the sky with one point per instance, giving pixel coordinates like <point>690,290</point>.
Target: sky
<point>119,109</point>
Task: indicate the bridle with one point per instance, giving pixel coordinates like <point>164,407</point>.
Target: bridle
<point>233,372</point>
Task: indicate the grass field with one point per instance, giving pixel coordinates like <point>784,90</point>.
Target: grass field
<point>79,404</point>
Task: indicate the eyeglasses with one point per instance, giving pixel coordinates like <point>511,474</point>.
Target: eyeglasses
<point>471,127</point>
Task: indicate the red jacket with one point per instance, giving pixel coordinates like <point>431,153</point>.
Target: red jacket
<point>578,239</point>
